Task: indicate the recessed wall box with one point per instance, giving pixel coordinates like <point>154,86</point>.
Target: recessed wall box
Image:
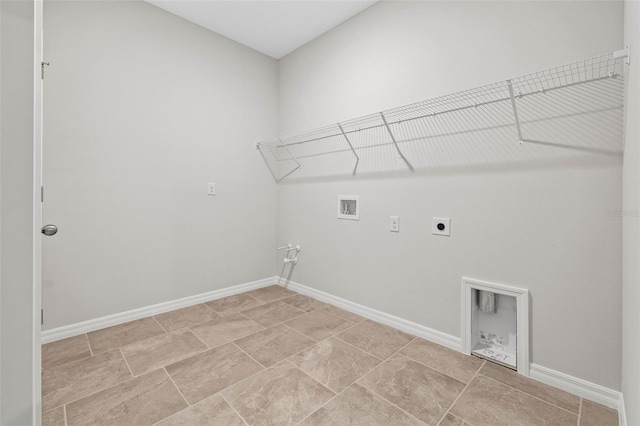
<point>349,207</point>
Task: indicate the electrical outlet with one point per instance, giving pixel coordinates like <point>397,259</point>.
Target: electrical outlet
<point>441,226</point>
<point>394,223</point>
<point>211,188</point>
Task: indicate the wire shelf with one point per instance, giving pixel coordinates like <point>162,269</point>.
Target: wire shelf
<point>541,105</point>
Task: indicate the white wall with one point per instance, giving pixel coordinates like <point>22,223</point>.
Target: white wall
<point>16,213</point>
<point>631,227</point>
<point>142,109</point>
<point>537,223</point>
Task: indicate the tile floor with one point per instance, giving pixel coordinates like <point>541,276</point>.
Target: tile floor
<point>274,357</point>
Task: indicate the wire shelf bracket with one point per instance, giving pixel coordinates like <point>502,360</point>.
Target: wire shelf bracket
<point>624,53</point>
<point>576,91</point>
<point>351,147</point>
<point>515,113</point>
<point>395,143</point>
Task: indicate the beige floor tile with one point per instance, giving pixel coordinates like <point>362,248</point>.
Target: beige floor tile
<point>304,303</point>
<point>64,351</point>
<point>226,329</point>
<point>487,402</point>
<point>202,375</point>
<point>358,406</point>
<point>272,313</point>
<point>547,393</point>
<point>213,411</point>
<point>274,344</point>
<point>282,395</point>
<point>593,414</point>
<point>451,420</point>
<point>143,400</point>
<point>78,379</point>
<point>312,351</point>
<point>155,352</point>
<point>186,317</point>
<point>318,325</point>
<point>341,313</point>
<point>54,417</point>
<point>455,364</point>
<point>417,389</point>
<point>377,339</point>
<point>271,293</point>
<point>120,335</point>
<point>335,363</point>
<point>235,303</point>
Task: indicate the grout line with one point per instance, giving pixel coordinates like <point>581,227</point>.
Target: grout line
<point>361,350</point>
<point>159,325</point>
<point>385,359</point>
<point>252,320</point>
<point>126,362</point>
<point>168,417</point>
<point>437,370</point>
<point>398,351</point>
<point>538,398</point>
<point>173,415</point>
<point>339,317</point>
<point>460,394</point>
<point>201,341</point>
<point>346,329</point>
<point>176,386</point>
<point>99,390</point>
<point>76,360</point>
<point>288,361</point>
<point>580,411</point>
<point>70,362</point>
<point>465,422</point>
<point>305,336</point>
<point>328,401</point>
<point>180,360</point>
<point>356,348</point>
<point>391,403</point>
<point>303,350</point>
<point>86,335</point>
<point>238,294</point>
<point>243,380</point>
<point>247,354</point>
<point>533,396</point>
<point>314,379</point>
<point>241,313</point>
<point>234,410</point>
<point>254,298</point>
<point>208,307</point>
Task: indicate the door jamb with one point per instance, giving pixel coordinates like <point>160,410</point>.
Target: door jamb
<point>37,213</point>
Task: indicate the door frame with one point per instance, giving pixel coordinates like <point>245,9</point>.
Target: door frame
<point>37,212</point>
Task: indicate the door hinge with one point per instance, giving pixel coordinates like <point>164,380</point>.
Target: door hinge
<point>42,64</point>
<point>42,194</point>
<point>41,316</point>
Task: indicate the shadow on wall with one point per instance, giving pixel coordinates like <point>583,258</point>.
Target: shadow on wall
<point>562,123</point>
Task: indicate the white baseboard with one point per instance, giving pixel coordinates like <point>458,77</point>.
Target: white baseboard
<point>59,333</point>
<point>622,414</point>
<point>587,390</point>
<point>591,391</point>
<point>426,333</point>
